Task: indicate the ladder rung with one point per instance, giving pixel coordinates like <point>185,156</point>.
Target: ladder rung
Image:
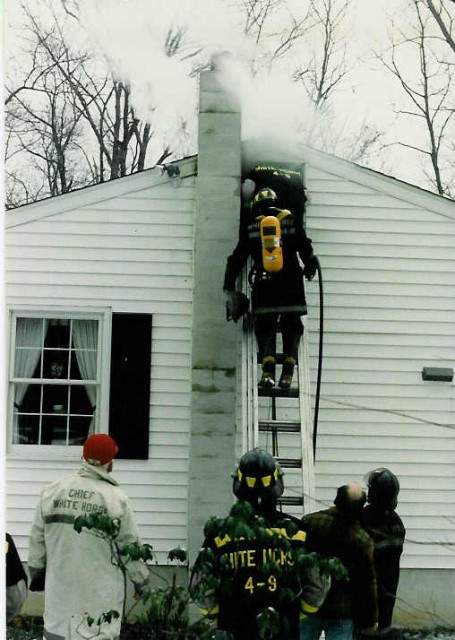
<point>279,358</point>
<point>291,500</point>
<point>283,426</point>
<point>276,392</point>
<point>290,463</point>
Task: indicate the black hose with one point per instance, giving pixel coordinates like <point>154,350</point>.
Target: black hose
<point>321,341</point>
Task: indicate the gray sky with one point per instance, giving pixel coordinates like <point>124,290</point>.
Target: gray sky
<point>131,34</point>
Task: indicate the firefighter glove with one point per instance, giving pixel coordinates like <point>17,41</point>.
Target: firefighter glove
<point>236,305</point>
<point>311,266</point>
<point>38,578</point>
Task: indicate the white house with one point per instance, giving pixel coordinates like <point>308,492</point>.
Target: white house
<point>117,322</point>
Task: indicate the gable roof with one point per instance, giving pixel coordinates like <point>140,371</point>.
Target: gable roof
<point>266,150</point>
<point>97,193</point>
<point>269,150</point>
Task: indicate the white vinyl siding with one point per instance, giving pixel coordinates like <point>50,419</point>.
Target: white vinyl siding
<point>129,248</point>
<point>388,269</point>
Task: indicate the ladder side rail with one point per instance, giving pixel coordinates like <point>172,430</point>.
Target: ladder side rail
<point>243,363</point>
<point>250,432</point>
<point>306,418</point>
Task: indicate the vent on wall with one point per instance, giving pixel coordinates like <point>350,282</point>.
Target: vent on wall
<point>438,374</point>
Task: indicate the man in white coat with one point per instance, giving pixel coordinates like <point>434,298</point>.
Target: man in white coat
<point>77,569</point>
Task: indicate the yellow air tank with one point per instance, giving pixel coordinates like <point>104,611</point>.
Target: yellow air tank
<point>272,253</point>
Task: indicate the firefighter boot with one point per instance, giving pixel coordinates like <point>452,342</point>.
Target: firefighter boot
<point>287,373</point>
<point>268,372</point>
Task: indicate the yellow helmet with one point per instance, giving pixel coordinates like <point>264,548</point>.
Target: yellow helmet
<point>265,198</point>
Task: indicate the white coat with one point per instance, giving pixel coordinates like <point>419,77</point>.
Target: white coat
<point>80,575</point>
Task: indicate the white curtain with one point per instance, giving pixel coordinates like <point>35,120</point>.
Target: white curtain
<point>30,333</point>
<point>85,339</point>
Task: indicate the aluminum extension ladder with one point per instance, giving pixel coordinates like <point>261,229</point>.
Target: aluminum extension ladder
<point>280,421</point>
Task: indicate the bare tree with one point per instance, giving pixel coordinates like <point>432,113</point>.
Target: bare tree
<point>42,124</point>
<point>68,119</point>
<point>445,19</point>
<point>429,94</point>
<point>105,104</point>
<point>273,25</point>
<point>327,65</point>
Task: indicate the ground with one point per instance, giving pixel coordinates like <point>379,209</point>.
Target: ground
<point>31,629</point>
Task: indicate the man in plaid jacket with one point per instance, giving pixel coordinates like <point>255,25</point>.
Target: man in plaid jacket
<point>350,603</point>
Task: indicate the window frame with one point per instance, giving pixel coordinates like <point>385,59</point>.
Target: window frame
<point>101,415</point>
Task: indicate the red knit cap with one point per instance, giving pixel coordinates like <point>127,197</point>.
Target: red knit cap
<point>100,447</point>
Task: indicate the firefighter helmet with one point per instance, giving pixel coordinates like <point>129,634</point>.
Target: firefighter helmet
<point>383,488</point>
<point>265,198</point>
<point>258,475</point>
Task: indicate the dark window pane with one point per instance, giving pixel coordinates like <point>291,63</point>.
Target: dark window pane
<point>31,398</point>
<point>58,334</point>
<point>55,364</point>
<point>78,429</point>
<point>129,400</point>
<point>54,429</point>
<point>55,399</point>
<point>75,374</point>
<point>27,429</point>
<point>79,401</point>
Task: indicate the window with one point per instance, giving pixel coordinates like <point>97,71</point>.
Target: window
<point>55,380</point>
<point>60,391</point>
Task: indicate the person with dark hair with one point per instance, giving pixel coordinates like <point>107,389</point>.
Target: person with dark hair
<point>276,242</point>
<point>76,570</point>
<point>16,580</point>
<point>350,603</point>
<point>255,558</point>
<point>387,530</point>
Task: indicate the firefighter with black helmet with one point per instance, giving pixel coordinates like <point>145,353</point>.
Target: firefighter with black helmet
<point>275,240</point>
<point>387,530</point>
<point>254,554</point>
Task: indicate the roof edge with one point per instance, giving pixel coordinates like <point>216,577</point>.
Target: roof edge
<point>150,177</point>
<point>365,176</point>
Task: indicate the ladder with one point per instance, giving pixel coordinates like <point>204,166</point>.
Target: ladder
<point>280,421</point>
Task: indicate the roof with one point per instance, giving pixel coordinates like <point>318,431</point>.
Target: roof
<point>97,193</point>
<point>269,150</point>
<point>254,150</point>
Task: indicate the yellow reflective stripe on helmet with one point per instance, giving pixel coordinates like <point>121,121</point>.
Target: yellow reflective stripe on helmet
<point>220,542</point>
<point>307,608</point>
<point>250,481</point>
<point>210,612</point>
<point>300,535</point>
<point>239,475</point>
<point>266,480</point>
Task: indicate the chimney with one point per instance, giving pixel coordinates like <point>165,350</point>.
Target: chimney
<point>214,352</point>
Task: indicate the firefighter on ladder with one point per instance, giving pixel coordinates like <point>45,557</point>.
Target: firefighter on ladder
<point>275,240</point>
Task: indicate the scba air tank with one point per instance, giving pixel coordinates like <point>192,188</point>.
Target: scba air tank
<point>272,252</point>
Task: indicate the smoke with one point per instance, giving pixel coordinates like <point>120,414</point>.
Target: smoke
<point>156,46</point>
<point>134,35</point>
